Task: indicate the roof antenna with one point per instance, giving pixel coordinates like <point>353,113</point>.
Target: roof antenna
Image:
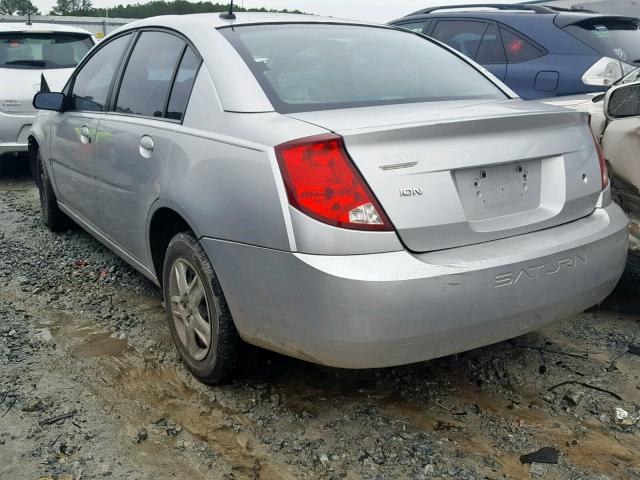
<point>229,15</point>
<point>29,17</point>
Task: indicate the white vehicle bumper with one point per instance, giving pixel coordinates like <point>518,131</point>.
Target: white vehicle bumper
<point>14,132</point>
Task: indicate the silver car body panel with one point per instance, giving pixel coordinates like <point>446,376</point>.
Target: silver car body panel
<point>365,311</point>
<point>332,295</point>
<point>440,151</point>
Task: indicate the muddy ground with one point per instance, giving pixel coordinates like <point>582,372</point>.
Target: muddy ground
<point>91,387</point>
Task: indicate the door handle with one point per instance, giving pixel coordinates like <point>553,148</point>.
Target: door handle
<point>146,146</point>
<point>85,135</point>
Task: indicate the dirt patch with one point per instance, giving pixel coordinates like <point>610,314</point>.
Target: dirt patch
<point>83,335</point>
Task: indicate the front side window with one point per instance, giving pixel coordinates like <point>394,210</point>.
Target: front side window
<point>147,79</point>
<point>517,48</point>
<point>92,83</point>
<point>42,50</point>
<point>463,35</point>
<point>305,67</point>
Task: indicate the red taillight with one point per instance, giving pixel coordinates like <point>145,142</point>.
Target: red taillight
<point>322,182</point>
<point>603,163</point>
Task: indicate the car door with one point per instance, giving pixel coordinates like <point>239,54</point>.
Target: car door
<point>134,142</point>
<point>74,130</point>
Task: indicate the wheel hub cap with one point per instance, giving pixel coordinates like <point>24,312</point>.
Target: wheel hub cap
<point>190,310</point>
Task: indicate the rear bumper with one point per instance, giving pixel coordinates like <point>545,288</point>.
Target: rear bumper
<point>13,147</point>
<point>14,132</point>
<point>366,311</point>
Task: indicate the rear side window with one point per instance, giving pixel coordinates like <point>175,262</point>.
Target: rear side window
<point>303,67</point>
<point>463,35</point>
<point>42,50</point>
<point>147,79</point>
<point>517,48</point>
<point>185,78</point>
<point>613,37</point>
<point>491,50</point>
<point>92,83</point>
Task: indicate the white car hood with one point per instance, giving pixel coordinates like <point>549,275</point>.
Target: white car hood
<point>19,85</point>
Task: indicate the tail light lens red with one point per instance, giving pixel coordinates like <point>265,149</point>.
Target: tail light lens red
<point>604,174</point>
<point>322,182</point>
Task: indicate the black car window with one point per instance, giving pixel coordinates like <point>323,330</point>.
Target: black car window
<point>413,26</point>
<point>183,84</point>
<point>613,37</point>
<point>303,67</point>
<point>491,50</point>
<point>92,82</point>
<point>42,50</point>
<point>517,48</point>
<point>147,79</point>
<point>463,35</point>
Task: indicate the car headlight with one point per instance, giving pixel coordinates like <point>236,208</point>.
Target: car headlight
<point>606,71</point>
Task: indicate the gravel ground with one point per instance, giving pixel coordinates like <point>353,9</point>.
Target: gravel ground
<point>91,387</point>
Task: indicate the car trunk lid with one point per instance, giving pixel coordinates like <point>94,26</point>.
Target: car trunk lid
<point>457,173</point>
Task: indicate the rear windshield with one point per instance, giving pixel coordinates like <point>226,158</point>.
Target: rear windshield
<point>617,38</point>
<point>305,67</point>
<point>42,50</point>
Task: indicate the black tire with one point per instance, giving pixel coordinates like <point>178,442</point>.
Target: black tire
<point>633,267</point>
<point>54,218</point>
<point>221,360</point>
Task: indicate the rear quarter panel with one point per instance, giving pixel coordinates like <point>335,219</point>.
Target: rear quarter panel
<point>566,55</point>
<point>223,176</point>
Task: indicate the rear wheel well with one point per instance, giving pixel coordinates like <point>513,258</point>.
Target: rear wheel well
<point>165,225</point>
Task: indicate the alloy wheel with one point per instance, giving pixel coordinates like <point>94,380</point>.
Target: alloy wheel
<point>190,309</point>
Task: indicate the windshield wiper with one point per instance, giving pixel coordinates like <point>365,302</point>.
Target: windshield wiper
<point>34,63</point>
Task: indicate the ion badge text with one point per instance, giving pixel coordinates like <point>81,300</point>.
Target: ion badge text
<point>410,192</point>
<point>539,272</point>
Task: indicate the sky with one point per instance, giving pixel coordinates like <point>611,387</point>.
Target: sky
<point>369,10</point>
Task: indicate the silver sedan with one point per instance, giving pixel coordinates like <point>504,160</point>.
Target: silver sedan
<point>349,194</point>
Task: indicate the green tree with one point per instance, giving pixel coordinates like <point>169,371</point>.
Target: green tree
<point>72,7</point>
<point>172,7</point>
<point>18,7</point>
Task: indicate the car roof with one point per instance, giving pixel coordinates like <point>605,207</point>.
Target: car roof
<point>237,88</point>
<point>499,12</point>
<point>40,28</point>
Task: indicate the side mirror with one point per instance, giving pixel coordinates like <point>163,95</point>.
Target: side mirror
<point>49,101</point>
<point>623,101</point>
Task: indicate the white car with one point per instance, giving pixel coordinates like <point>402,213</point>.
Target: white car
<point>620,140</point>
<point>615,122</point>
<point>27,52</point>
